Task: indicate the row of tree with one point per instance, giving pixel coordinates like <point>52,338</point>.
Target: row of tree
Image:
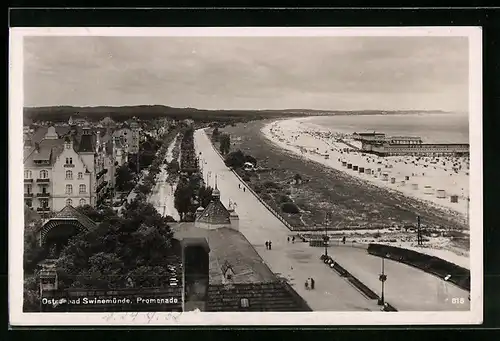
<point>189,162</point>
<point>191,192</point>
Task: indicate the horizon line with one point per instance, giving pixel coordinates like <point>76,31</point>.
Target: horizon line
<point>265,109</point>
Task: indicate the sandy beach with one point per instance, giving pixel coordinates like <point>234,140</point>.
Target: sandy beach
<point>428,179</point>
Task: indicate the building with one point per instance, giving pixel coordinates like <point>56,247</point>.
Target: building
<point>64,168</point>
<point>382,145</point>
<point>77,121</point>
<point>129,134</point>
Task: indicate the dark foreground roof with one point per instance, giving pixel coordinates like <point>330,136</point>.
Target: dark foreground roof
<point>274,296</point>
<point>228,247</point>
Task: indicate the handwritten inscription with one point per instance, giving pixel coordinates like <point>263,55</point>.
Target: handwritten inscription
<point>148,317</point>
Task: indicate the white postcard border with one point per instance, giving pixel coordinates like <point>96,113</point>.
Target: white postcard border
<point>16,217</point>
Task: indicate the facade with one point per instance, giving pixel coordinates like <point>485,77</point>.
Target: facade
<point>68,166</point>
<point>131,137</point>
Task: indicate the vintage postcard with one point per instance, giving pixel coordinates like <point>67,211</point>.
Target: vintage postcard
<point>245,176</point>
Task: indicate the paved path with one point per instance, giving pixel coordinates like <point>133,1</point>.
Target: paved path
<point>293,261</point>
<point>407,288</point>
<point>163,193</point>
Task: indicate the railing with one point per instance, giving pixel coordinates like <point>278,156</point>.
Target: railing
<point>69,165</point>
<point>335,266</point>
<point>28,195</point>
<point>43,195</point>
<point>266,205</point>
<point>43,209</point>
<point>28,180</point>
<point>43,180</point>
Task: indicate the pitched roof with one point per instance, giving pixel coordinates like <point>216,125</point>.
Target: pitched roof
<point>69,212</point>
<point>228,247</point>
<point>214,213</point>
<point>48,150</point>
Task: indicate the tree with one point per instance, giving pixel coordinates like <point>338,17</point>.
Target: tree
<point>182,198</point>
<point>235,159</point>
<point>173,167</point>
<point>216,134</point>
<point>289,207</point>
<point>124,179</point>
<point>225,143</point>
<point>205,195</point>
<point>117,248</point>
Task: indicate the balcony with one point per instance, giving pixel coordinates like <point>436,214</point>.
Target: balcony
<point>43,195</point>
<point>28,195</point>
<point>46,180</point>
<point>69,165</point>
<point>28,180</point>
<point>43,209</point>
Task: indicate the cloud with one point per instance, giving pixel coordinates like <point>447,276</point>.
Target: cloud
<point>344,73</point>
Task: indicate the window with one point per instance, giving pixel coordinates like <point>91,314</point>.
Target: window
<point>44,203</point>
<point>80,175</point>
<point>69,175</point>
<point>69,202</point>
<point>68,145</point>
<point>69,160</point>
<point>28,189</point>
<point>82,202</point>
<point>69,189</point>
<point>27,174</point>
<point>244,303</point>
<point>83,189</point>
<point>44,174</point>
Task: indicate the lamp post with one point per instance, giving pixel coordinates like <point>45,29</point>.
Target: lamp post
<point>382,278</point>
<point>326,238</point>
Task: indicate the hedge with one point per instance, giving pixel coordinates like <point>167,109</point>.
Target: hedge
<point>459,276</point>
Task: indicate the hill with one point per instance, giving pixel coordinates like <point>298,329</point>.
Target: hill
<point>122,113</point>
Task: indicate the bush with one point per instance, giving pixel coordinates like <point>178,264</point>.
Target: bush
<point>271,184</point>
<point>289,207</point>
<point>266,197</point>
<point>284,198</point>
<point>245,177</point>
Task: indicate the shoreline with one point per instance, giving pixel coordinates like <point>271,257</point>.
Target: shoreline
<point>307,140</point>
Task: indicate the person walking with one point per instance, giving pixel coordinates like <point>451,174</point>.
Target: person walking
<point>270,245</point>
<point>267,245</point>
<point>288,239</point>
<point>239,186</point>
<point>312,283</point>
<point>293,239</point>
<point>244,189</point>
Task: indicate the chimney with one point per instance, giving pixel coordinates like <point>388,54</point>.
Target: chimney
<point>233,217</point>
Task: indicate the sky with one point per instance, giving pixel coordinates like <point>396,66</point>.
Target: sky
<point>324,73</point>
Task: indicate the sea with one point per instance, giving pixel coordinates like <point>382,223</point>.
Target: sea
<point>431,127</point>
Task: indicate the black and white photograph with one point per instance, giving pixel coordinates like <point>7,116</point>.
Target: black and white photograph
<point>296,175</point>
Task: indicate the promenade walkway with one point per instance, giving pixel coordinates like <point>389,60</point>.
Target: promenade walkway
<point>406,289</point>
<point>295,262</point>
<point>163,193</point>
